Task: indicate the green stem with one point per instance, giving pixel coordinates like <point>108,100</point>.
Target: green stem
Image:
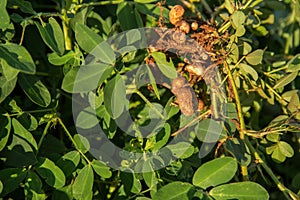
<point>38,111</point>
<point>244,170</point>
<point>276,70</point>
<point>67,32</point>
<point>237,101</point>
<point>287,193</point>
<point>101,3</point>
<point>150,104</point>
<point>72,140</point>
<point>43,136</point>
<point>191,123</point>
<point>280,186</point>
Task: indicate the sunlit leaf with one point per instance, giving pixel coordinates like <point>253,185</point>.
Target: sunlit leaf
<point>255,57</point>
<point>17,57</point>
<point>68,162</point>
<point>101,169</point>
<point>175,191</point>
<point>35,90</point>
<point>87,39</point>
<point>167,68</point>
<point>52,35</point>
<point>4,17</point>
<point>52,174</point>
<point>215,172</point>
<point>23,133</point>
<point>286,80</point>
<point>241,191</point>
<point>286,149</point>
<point>83,184</point>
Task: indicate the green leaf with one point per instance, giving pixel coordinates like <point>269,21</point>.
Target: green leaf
<point>286,80</point>
<point>286,149</point>
<point>115,96</point>
<point>86,38</point>
<point>270,149</point>
<point>247,48</point>
<point>149,174</point>
<point>18,153</point>
<point>209,131</point>
<point>274,137</point>
<point>241,191</point>
<point>52,35</point>
<point>162,137</point>
<point>239,150</point>
<point>277,155</point>
<point>87,118</point>
<point>58,35</point>
<point>28,121</point>
<point>83,184</point>
<point>81,16</point>
<point>167,68</point>
<point>17,57</point>
<point>5,128</point>
<point>249,70</point>
<point>153,82</point>
<point>35,90</point>
<point>24,6</point>
<point>175,191</point>
<point>52,174</point>
<point>11,179</point>
<point>6,87</point>
<point>294,103</point>
<point>101,169</point>
<point>57,60</point>
<point>65,193</point>
<point>181,149</point>
<point>69,79</point>
<point>1,187</point>
<point>240,31</point>
<point>238,18</point>
<point>142,198</point>
<point>68,162</point>
<point>131,183</point>
<point>90,76</point>
<point>126,16</point>
<point>82,143</point>
<point>33,187</point>
<point>4,17</point>
<point>8,71</point>
<point>294,64</point>
<point>255,57</point>
<point>23,133</point>
<point>145,1</point>
<point>215,172</point>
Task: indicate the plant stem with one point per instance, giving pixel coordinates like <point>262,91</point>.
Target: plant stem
<point>43,136</point>
<point>237,101</point>
<point>72,140</point>
<point>287,193</point>
<point>101,3</point>
<point>244,170</point>
<point>67,32</point>
<point>191,123</point>
<point>150,104</point>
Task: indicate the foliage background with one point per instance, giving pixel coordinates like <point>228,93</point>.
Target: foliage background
<point>42,45</point>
